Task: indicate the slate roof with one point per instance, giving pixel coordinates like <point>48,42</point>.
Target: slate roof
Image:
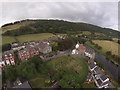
<point>24,85</point>
<point>103,77</point>
<point>8,53</point>
<point>97,70</point>
<point>92,65</point>
<point>99,82</point>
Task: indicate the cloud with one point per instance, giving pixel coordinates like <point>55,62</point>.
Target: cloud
<point>103,14</point>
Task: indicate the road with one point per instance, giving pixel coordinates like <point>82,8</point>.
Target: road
<point>64,53</point>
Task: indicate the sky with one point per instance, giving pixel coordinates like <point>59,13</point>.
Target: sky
<point>104,14</point>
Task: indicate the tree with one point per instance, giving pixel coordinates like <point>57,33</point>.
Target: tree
<point>108,53</point>
<point>26,70</point>
<point>10,73</point>
<point>65,44</point>
<point>6,47</point>
<point>37,62</point>
<point>55,46</point>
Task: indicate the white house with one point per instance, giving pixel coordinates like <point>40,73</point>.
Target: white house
<point>92,66</point>
<point>102,82</point>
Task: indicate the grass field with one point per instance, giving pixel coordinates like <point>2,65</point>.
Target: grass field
<point>65,70</point>
<point>86,33</point>
<point>7,39</point>
<point>16,26</point>
<point>108,46</point>
<point>99,34</point>
<point>28,37</point>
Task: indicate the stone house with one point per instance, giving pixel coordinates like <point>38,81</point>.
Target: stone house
<point>44,47</point>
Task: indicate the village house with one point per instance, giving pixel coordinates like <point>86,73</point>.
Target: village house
<point>92,66</point>
<point>26,43</point>
<point>44,47</point>
<point>101,80</point>
<point>2,63</point>
<point>18,47</point>
<point>8,57</point>
<point>79,49</point>
<point>28,53</point>
<point>14,44</point>
<point>21,83</point>
<point>82,50</point>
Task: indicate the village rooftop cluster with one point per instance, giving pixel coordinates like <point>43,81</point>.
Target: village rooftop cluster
<point>29,49</point>
<point>96,74</point>
<point>26,50</point>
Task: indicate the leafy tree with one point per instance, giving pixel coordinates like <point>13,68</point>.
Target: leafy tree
<point>6,47</point>
<point>108,53</point>
<point>37,62</point>
<point>10,73</point>
<point>65,44</point>
<point>26,70</point>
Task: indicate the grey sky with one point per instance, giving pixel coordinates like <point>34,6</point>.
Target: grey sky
<point>103,14</point>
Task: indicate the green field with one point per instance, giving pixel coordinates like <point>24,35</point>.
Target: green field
<point>16,26</point>
<point>99,34</point>
<point>28,37</point>
<point>65,70</point>
<point>108,46</point>
<point>86,33</point>
<point>7,39</point>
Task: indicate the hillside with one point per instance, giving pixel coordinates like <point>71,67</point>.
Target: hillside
<point>55,26</point>
<point>15,25</point>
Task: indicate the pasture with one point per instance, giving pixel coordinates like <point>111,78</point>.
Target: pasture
<point>30,37</point>
<point>8,39</point>
<point>23,38</point>
<point>86,33</point>
<point>108,46</point>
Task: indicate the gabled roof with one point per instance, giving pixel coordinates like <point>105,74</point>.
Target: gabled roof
<point>103,77</point>
<point>8,53</point>
<point>97,70</point>
<point>24,85</point>
<point>92,65</point>
<point>82,47</point>
<point>99,82</point>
